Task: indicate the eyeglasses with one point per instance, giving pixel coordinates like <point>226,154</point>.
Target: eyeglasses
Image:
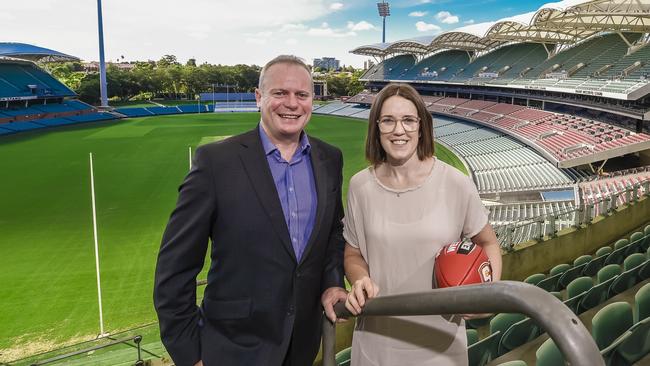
<point>389,124</point>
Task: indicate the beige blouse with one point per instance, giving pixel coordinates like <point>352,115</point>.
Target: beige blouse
<point>399,233</point>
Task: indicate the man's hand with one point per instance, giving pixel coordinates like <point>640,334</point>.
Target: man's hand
<point>330,297</point>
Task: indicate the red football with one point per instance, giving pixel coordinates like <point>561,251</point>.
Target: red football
<point>461,263</point>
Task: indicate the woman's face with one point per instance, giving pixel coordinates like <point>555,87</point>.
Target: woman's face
<point>401,144</point>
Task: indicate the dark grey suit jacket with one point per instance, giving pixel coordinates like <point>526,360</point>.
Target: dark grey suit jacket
<point>258,297</point>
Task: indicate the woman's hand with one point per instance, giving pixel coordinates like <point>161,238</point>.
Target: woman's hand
<point>362,289</point>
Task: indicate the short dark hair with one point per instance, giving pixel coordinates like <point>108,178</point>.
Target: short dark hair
<point>375,154</point>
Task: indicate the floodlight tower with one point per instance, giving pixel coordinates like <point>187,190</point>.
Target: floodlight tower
<point>384,11</point>
<point>102,63</point>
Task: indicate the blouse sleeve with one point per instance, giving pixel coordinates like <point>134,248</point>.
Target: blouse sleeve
<point>476,215</point>
<point>349,221</point>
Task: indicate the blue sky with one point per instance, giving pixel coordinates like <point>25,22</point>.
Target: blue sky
<point>237,31</point>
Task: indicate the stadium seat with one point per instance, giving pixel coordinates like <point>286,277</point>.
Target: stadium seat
<point>343,358</point>
<point>501,322</point>
<point>549,283</point>
<point>644,271</point>
<point>594,265</point>
<point>642,303</point>
<point>631,346</point>
<point>484,350</point>
<point>628,277</point>
<point>576,290</point>
<point>610,322</point>
<point>596,295</point>
<point>549,355</point>
<point>472,336</point>
<point>517,334</point>
<point>535,278</point>
<point>583,259</point>
<point>638,237</point>
<point>603,250</point>
<point>571,274</point>
<point>646,232</point>
<point>616,256</point>
<point>620,243</point>
<point>608,272</point>
<point>478,322</point>
<point>560,268</point>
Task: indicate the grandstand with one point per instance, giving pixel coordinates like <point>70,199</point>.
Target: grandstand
<point>30,98</point>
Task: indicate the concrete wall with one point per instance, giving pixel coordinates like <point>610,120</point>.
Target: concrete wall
<point>534,257</point>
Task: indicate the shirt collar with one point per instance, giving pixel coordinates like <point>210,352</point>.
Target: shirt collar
<point>304,145</point>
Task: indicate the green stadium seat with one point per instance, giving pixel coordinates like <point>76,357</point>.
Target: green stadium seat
<point>631,346</point>
<point>501,322</point>
<point>583,259</point>
<point>620,243</point>
<point>637,237</point>
<point>633,260</point>
<point>344,357</point>
<point>535,278</point>
<point>646,232</point>
<point>603,251</point>
<point>596,295</point>
<point>617,256</point>
<point>570,275</point>
<point>607,272</point>
<point>550,283</point>
<point>517,334</point>
<point>576,290</point>
<point>472,336</point>
<point>560,268</point>
<point>484,350</point>
<point>477,323</point>
<point>610,322</point>
<point>644,271</point>
<point>628,278</point>
<point>594,266</point>
<point>642,303</point>
<point>549,355</point>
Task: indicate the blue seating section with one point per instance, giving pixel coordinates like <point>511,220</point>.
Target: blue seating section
<point>50,122</point>
<point>223,97</point>
<point>4,131</point>
<point>21,126</point>
<point>99,116</point>
<point>164,110</point>
<point>192,108</point>
<point>134,112</point>
<point>18,79</point>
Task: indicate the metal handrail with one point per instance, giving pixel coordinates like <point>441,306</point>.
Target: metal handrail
<point>562,325</point>
<point>136,339</point>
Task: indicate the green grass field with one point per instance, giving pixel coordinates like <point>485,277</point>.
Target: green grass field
<point>47,278</point>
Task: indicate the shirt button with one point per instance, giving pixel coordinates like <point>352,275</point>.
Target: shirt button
<point>290,189</point>
<point>294,240</point>
<point>293,214</point>
<point>291,310</point>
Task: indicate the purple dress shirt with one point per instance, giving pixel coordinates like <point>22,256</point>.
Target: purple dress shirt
<point>294,181</point>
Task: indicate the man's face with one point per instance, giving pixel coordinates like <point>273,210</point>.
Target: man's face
<point>285,100</point>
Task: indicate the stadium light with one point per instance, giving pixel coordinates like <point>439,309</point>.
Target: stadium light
<point>102,63</point>
<point>384,10</point>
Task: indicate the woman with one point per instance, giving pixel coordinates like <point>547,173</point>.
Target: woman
<point>401,211</point>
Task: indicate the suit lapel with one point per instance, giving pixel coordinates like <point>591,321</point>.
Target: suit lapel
<point>258,171</point>
<point>318,162</point>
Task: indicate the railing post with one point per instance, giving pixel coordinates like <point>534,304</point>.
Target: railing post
<point>509,233</point>
<point>635,192</point>
<point>540,229</point>
<point>646,187</point>
<point>628,196</point>
<point>550,227</point>
<point>589,213</point>
<point>608,205</point>
<point>615,201</point>
<point>579,211</point>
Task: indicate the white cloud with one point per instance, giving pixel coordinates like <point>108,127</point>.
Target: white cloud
<point>426,27</point>
<point>291,41</point>
<point>336,6</point>
<point>447,18</point>
<point>289,27</point>
<point>256,40</point>
<point>471,21</point>
<point>329,32</point>
<point>417,14</point>
<point>361,26</point>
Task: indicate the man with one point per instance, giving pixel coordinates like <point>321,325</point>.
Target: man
<point>270,201</point>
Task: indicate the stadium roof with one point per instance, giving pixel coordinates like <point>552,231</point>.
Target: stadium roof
<point>567,21</point>
<point>33,53</point>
